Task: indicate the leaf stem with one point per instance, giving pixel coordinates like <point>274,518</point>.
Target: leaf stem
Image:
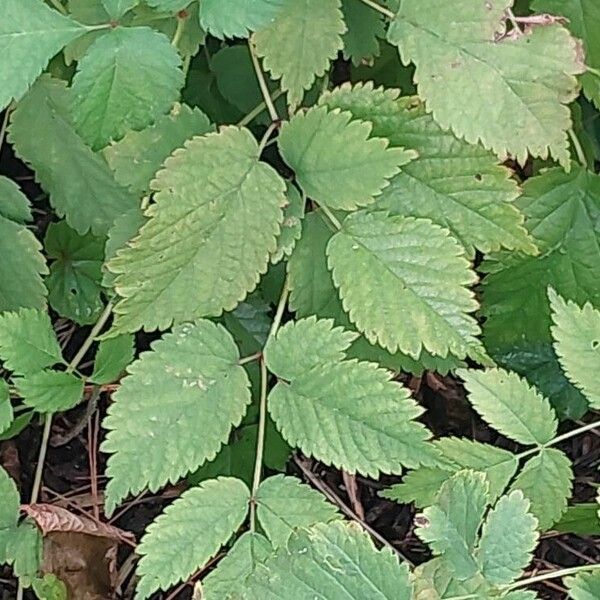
<point>249,359</point>
<point>258,109</point>
<point>263,84</point>
<point>578,148</point>
<point>332,218</point>
<point>4,125</point>
<point>181,23</point>
<point>551,575</point>
<point>90,338</point>
<point>382,9</point>
<point>59,7</point>
<point>263,142</point>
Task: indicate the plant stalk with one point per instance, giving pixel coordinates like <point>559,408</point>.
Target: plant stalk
<point>551,575</point>
<point>263,84</point>
<point>386,12</point>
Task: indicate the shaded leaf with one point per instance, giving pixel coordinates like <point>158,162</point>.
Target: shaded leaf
<point>113,356</point>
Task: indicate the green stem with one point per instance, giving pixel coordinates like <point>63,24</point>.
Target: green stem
<point>59,7</point>
<point>272,127</point>
<point>181,23</point>
<point>382,9</point>
<point>331,217</point>
<point>578,148</point>
<point>249,359</point>
<point>551,575</point>
<point>4,124</point>
<point>263,84</point>
<point>90,338</point>
<point>257,110</point>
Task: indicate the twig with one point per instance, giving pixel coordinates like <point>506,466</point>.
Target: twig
<point>352,491</point>
<point>551,575</point>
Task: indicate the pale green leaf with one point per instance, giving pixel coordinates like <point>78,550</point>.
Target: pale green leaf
<point>114,354</point>
<point>457,185</point>
<point>137,157</point>
<point>14,205</point>
<point>576,332</point>
<point>583,20</point>
<point>337,561</point>
<point>24,551</point>
<point>174,410</point>
<point>508,539</point>
<point>27,341</point>
<point>75,273</point>
<point>117,8</point>
<point>79,182</point>
<point>237,18</point>
<point>584,586</point>
<point>451,525</point>
<point>420,486</point>
<point>291,228</point>
<point>31,33</point>
<point>208,192</point>
<point>507,402</point>
<point>285,504</point>
<point>201,521</point>
<point>401,293</point>
<point>6,409</point>
<point>50,391</point>
<point>546,481</point>
<point>364,27</point>
<point>126,79</point>
<point>335,160</point>
<point>50,587</point>
<point>300,42</point>
<point>9,511</point>
<point>229,580</point>
<point>459,68</point>
<point>302,345</point>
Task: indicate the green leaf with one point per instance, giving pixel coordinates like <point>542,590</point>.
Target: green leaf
<point>457,185</point>
<point>113,356</point>
<point>291,228</point>
<point>576,332</point>
<point>50,587</point>
<point>452,523</point>
<point>379,262</point>
<point>79,182</point>
<point>284,504</point>
<point>306,344</point>
<point>17,426</point>
<point>580,519</point>
<point>364,27</point>
<point>148,149</point>
<point>508,404</point>
<point>420,486</point>
<point>229,580</point>
<point>24,551</point>
<point>335,160</point>
<point>583,20</point>
<point>349,414</point>
<point>337,559</point>
<point>117,8</point>
<point>75,273</point>
<point>50,391</point>
<point>584,586</point>
<point>168,5</point>
<point>201,521</point>
<point>190,382</point>
<point>9,511</point>
<point>237,18</point>
<point>531,77</point>
<point>31,33</point>
<point>6,409</point>
<point>546,481</point>
<point>208,192</point>
<point>22,264</point>
<point>300,42</point>
<point>27,341</point>
<point>508,539</point>
<point>127,78</point>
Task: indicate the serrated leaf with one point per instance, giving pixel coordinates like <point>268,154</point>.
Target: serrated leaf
<point>580,519</point>
<point>27,341</point>
<point>576,332</point>
<point>300,42</point>
<point>457,185</point>
<point>237,18</point>
<point>229,580</point>
<point>50,391</point>
<point>24,551</point>
<point>302,345</point>
<point>6,409</point>
<point>208,192</point>
<point>75,273</point>
<point>338,560</point>
<point>420,486</point>
<point>79,182</point>
<point>148,149</point>
<point>117,8</point>
<point>531,77</point>
<point>22,264</point>
<point>126,79</point>
<point>379,262</point>
<point>201,521</point>
<point>113,356</point>
<point>546,481</point>
<point>335,159</point>
<point>49,587</point>
<point>452,523</point>
<point>584,586</point>
<point>507,402</point>
<point>508,539</point>
<point>190,382</point>
<point>583,20</point>
<point>284,504</point>
<point>291,228</point>
<point>364,28</point>
<point>9,511</point>
<point>31,33</point>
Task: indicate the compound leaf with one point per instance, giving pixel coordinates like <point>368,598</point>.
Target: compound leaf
<point>126,79</point>
<point>50,391</point>
<point>190,382</point>
<point>201,521</point>
<point>207,193</point>
<point>510,405</point>
<point>531,77</point>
